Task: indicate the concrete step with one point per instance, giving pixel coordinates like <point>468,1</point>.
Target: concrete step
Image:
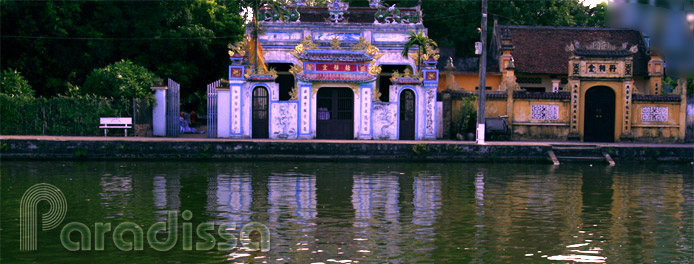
<point>581,158</point>
<point>574,148</point>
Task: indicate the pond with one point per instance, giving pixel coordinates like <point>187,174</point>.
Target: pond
<point>300,212</point>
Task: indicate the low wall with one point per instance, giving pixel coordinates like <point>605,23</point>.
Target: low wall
<point>451,151</point>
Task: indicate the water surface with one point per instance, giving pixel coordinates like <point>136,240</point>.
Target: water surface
<point>371,212</point>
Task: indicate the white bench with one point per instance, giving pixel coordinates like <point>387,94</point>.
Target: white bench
<point>115,122</point>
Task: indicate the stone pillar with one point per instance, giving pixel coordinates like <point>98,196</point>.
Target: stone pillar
<point>575,86</point>
<point>305,111</point>
<point>365,97</point>
<point>233,106</point>
<point>509,108</point>
<point>431,81</point>
<point>238,108</point>
<point>223,112</point>
<point>159,111</point>
<point>655,72</point>
<point>555,85</point>
<point>626,112</point>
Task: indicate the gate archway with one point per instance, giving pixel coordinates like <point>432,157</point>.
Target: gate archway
<point>408,112</point>
<point>599,115</point>
<point>335,113</point>
<point>260,123</point>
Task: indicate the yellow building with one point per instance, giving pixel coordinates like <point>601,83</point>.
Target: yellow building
<point>570,83</point>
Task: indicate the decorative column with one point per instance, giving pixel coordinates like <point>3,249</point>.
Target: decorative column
<point>575,89</point>
<point>366,96</point>
<point>232,118</point>
<point>626,112</point>
<point>431,81</point>
<point>555,85</point>
<point>655,72</point>
<point>305,111</point>
<point>159,110</point>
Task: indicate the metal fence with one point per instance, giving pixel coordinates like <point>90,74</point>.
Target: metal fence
<point>173,109</point>
<point>212,108</point>
<point>142,117</point>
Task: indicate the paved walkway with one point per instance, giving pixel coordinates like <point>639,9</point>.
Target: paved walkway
<point>492,143</point>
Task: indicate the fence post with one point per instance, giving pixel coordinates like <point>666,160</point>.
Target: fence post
<point>159,111</point>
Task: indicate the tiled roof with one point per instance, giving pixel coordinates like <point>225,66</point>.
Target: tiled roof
<point>541,95</point>
<point>488,95</point>
<point>657,98</point>
<point>602,53</point>
<point>542,50</point>
<point>337,77</point>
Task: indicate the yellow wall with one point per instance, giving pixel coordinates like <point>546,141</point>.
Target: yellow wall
<point>468,81</point>
<point>656,131</point>
<point>522,110</point>
<point>525,128</point>
<point>492,108</point>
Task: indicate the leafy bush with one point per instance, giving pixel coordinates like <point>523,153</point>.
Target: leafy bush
<point>123,79</point>
<point>59,115</point>
<point>468,114</point>
<point>12,83</point>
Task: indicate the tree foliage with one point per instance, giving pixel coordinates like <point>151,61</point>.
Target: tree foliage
<point>417,39</point>
<point>455,23</point>
<point>122,79</point>
<point>57,43</point>
<point>13,84</point>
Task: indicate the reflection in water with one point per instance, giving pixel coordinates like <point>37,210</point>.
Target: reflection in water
<point>234,197</point>
<point>427,200</point>
<point>166,195</point>
<point>292,210</point>
<point>292,198</point>
<point>376,214</point>
<point>116,194</point>
<point>448,213</point>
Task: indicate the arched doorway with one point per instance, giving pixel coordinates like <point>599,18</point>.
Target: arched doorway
<point>407,115</point>
<point>335,113</point>
<point>598,125</point>
<point>260,123</point>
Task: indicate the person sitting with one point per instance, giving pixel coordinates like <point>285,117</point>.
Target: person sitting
<point>185,127</point>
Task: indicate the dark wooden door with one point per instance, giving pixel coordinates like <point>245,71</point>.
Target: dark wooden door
<point>335,113</point>
<point>260,124</point>
<point>599,113</point>
<point>407,115</point>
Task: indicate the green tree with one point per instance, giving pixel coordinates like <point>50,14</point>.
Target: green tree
<point>121,79</point>
<point>13,84</point>
<point>59,42</point>
<point>417,39</point>
<point>455,23</point>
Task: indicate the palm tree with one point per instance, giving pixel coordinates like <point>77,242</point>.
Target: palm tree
<point>421,41</point>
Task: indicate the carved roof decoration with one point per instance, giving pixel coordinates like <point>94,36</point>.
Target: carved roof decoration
<point>339,11</point>
<point>363,51</point>
<point>601,48</point>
